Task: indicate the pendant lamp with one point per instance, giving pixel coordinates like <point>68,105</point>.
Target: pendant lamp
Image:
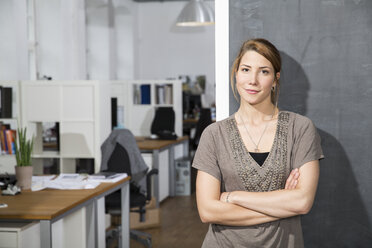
<point>196,13</point>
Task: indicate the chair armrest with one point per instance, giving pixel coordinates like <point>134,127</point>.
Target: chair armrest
<point>151,173</point>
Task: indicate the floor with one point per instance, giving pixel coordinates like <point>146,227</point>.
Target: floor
<point>180,225</point>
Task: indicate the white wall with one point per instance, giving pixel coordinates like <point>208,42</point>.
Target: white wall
<point>8,47</point>
<point>80,39</point>
<point>110,37</point>
<point>49,37</point>
<point>60,33</point>
<point>164,50</point>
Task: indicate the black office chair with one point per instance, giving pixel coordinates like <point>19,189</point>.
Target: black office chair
<point>205,119</point>
<point>163,123</point>
<point>119,162</point>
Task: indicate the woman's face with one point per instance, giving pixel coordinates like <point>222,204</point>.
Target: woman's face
<point>255,78</point>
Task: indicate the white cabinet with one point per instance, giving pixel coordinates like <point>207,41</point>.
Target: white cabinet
<point>140,98</point>
<point>82,111</point>
<point>19,235</point>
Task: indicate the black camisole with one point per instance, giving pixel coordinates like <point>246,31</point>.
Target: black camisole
<point>259,157</point>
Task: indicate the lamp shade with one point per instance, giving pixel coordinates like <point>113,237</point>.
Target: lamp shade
<point>196,13</point>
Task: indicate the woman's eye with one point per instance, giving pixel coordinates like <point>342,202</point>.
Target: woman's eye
<point>265,72</point>
<point>245,69</point>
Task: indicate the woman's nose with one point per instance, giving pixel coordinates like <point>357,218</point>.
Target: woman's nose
<point>252,80</point>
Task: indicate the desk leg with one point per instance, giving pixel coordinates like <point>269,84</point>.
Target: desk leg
<point>155,165</point>
<point>186,148</point>
<point>125,237</point>
<point>172,173</point>
<point>45,234</point>
<point>99,223</point>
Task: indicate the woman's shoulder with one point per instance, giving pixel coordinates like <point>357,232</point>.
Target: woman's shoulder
<point>219,125</point>
<point>298,121</point>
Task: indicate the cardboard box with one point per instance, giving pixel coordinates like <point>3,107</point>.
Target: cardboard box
<point>151,204</point>
<point>152,219</point>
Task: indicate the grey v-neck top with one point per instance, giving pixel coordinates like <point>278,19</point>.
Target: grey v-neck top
<point>222,154</point>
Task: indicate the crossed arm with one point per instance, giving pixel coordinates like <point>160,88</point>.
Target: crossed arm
<point>251,208</point>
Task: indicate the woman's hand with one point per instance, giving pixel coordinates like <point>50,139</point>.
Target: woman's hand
<point>292,180</point>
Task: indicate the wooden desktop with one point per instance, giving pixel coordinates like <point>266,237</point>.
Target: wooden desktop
<point>49,206</point>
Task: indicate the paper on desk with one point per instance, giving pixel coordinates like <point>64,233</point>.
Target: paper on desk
<point>63,181</point>
<point>38,182</point>
<point>42,178</point>
<point>70,177</point>
<point>111,179</point>
<point>58,184</point>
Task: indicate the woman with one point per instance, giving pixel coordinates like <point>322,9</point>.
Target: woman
<point>258,169</point>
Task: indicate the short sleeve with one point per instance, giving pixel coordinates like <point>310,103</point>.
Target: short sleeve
<point>307,143</point>
<point>205,158</point>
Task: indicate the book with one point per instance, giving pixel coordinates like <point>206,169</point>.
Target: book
<point>2,141</point>
<point>10,139</point>
<point>3,138</point>
<point>6,149</point>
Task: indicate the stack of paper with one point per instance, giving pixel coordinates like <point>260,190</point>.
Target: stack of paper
<point>107,178</point>
<point>74,181</point>
<point>63,181</point>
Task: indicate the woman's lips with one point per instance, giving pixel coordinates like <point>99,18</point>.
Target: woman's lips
<point>252,91</point>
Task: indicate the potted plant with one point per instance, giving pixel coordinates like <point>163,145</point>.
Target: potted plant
<point>23,169</point>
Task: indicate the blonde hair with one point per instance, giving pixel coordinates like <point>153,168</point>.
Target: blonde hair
<point>264,48</point>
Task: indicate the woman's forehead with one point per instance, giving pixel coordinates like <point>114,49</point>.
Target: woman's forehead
<point>254,59</point>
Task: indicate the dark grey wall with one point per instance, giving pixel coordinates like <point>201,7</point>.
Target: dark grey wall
<point>326,47</point>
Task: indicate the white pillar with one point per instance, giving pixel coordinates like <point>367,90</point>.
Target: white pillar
<point>73,35</point>
<point>20,26</point>
<point>222,59</point>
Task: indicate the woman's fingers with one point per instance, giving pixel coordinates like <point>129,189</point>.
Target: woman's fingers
<point>223,196</point>
<point>289,180</point>
<point>292,180</point>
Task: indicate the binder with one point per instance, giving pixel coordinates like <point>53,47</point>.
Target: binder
<point>1,90</point>
<point>160,94</point>
<point>145,94</point>
<point>6,102</point>
<point>114,112</point>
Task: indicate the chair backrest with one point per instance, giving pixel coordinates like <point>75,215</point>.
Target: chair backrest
<point>205,120</point>
<point>164,120</point>
<point>119,160</point>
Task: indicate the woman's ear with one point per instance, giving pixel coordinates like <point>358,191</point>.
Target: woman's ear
<point>277,76</point>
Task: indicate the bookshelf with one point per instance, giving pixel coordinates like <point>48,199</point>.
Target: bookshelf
<point>139,99</point>
<point>82,111</point>
<point>12,118</point>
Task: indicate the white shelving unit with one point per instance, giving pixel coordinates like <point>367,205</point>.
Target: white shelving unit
<point>138,116</point>
<point>8,161</point>
<point>82,109</point>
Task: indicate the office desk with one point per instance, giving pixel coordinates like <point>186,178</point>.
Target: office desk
<point>49,205</point>
<point>155,147</point>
